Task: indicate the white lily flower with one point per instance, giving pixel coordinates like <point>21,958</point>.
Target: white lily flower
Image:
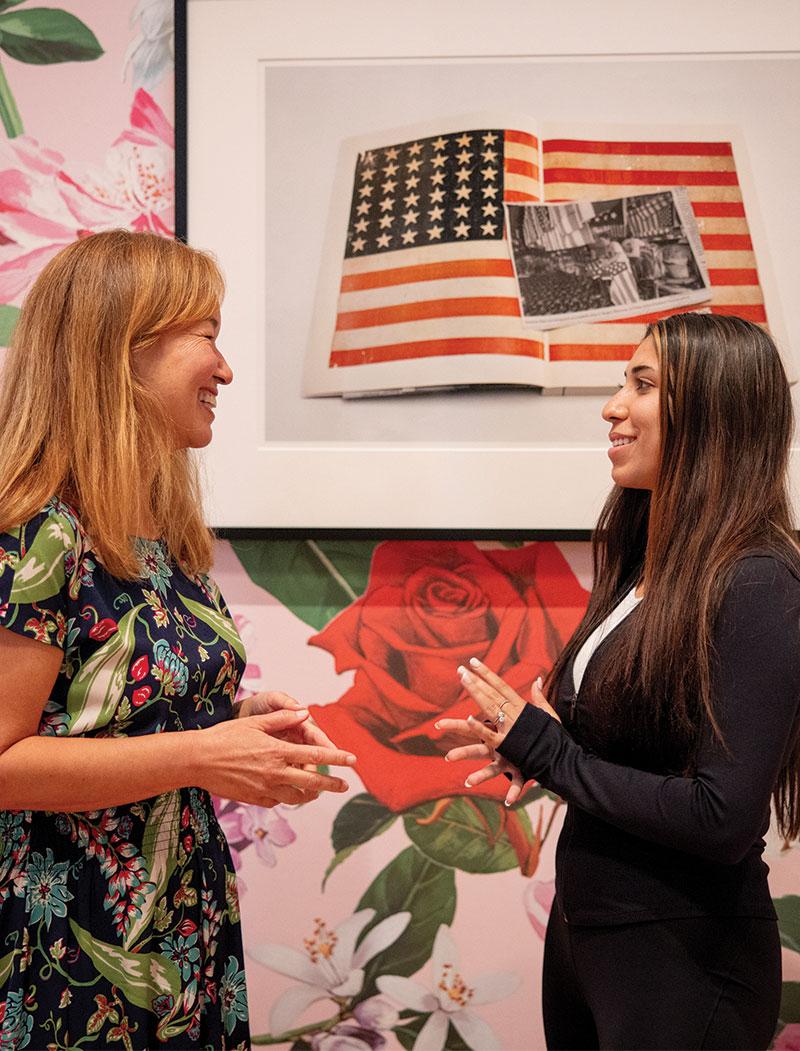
<point>331,965</point>
<point>451,999</point>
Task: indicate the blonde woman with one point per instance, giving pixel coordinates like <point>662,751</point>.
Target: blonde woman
<point>119,664</point>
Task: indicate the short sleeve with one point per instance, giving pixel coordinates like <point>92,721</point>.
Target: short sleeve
<point>34,560</point>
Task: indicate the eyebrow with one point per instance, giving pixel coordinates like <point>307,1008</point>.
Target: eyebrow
<point>639,368</point>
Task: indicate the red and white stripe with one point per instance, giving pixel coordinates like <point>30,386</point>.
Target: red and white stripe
<point>579,169</point>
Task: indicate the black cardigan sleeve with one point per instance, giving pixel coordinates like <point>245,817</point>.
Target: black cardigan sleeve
<point>721,811</point>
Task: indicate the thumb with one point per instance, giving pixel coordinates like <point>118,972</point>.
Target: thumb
<point>536,688</point>
<point>283,719</point>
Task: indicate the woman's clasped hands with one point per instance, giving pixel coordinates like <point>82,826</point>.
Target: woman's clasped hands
<point>271,753</point>
<point>500,707</point>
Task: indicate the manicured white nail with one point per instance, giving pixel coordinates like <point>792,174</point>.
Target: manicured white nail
<point>474,662</point>
<point>539,683</point>
<point>468,783</point>
<point>465,676</point>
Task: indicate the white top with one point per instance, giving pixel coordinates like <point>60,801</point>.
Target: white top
<point>615,617</point>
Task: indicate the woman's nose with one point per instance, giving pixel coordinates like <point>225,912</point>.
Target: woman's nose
<point>224,372</point>
<point>615,408</point>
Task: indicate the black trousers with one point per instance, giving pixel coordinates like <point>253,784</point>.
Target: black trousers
<point>670,985</point>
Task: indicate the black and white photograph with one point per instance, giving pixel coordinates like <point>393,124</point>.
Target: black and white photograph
<point>599,260</point>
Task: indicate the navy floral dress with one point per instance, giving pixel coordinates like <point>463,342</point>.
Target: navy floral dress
<point>119,926</point>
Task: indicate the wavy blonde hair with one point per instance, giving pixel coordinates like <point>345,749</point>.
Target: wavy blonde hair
<point>76,423</point>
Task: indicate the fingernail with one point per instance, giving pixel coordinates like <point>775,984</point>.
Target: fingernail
<point>446,759</point>
<point>436,726</point>
<point>539,683</point>
<point>465,676</point>
<point>461,669</point>
<point>350,759</point>
<point>506,803</point>
<point>474,662</point>
<point>301,711</point>
<point>468,783</point>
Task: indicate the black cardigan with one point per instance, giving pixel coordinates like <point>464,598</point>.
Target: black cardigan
<point>639,845</point>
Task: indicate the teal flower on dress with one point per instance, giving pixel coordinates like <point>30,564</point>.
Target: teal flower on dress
<point>170,669</point>
<point>47,887</point>
<point>233,995</point>
<point>17,1024</point>
<point>182,951</point>
<point>154,565</point>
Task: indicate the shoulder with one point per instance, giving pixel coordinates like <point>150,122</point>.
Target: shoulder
<point>760,571</point>
<point>762,597</point>
<point>38,556</point>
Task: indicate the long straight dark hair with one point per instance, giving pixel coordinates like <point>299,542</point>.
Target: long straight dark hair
<point>726,425</point>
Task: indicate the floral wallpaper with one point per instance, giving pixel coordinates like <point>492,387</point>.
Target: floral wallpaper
<point>413,913</point>
<point>410,912</point>
<point>111,68</point>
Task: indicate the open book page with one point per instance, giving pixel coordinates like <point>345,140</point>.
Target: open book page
<point>638,161</point>
<point>417,286</point>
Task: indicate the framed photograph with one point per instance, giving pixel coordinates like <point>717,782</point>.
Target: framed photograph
<point>441,244</point>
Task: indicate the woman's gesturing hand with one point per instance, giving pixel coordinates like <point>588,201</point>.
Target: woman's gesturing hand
<point>500,705</point>
<point>268,759</point>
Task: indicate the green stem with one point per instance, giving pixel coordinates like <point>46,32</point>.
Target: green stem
<point>9,113</point>
<point>294,1034</point>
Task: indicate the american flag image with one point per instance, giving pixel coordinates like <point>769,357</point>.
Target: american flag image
<point>649,215</point>
<point>427,269</point>
<point>575,169</point>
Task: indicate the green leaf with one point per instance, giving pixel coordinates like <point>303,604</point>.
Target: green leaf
<point>8,319</point>
<point>160,851</point>
<point>468,835</point>
<point>43,35</point>
<point>40,574</point>
<point>142,976</point>
<point>790,1003</point>
<point>7,965</point>
<point>219,624</point>
<point>408,1031</point>
<point>97,688</point>
<point>315,579</point>
<point>788,910</point>
<point>409,883</point>
<point>361,819</point>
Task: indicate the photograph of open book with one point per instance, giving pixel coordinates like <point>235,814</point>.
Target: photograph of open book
<point>462,252</point>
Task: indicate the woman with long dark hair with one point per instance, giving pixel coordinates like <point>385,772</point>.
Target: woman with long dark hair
<point>671,718</point>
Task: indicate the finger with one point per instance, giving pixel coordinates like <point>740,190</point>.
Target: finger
<point>486,773</point>
<point>487,735</point>
<point>277,699</point>
<point>283,719</point>
<point>515,788</point>
<point>307,781</point>
<point>468,751</point>
<point>316,735</point>
<point>485,696</point>
<point>540,701</point>
<point>314,755</point>
<point>459,726</point>
<point>494,680</point>
<point>287,794</point>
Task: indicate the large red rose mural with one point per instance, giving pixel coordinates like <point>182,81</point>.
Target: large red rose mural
<point>428,607</point>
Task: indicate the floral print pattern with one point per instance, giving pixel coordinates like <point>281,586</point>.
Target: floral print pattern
<point>119,925</point>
